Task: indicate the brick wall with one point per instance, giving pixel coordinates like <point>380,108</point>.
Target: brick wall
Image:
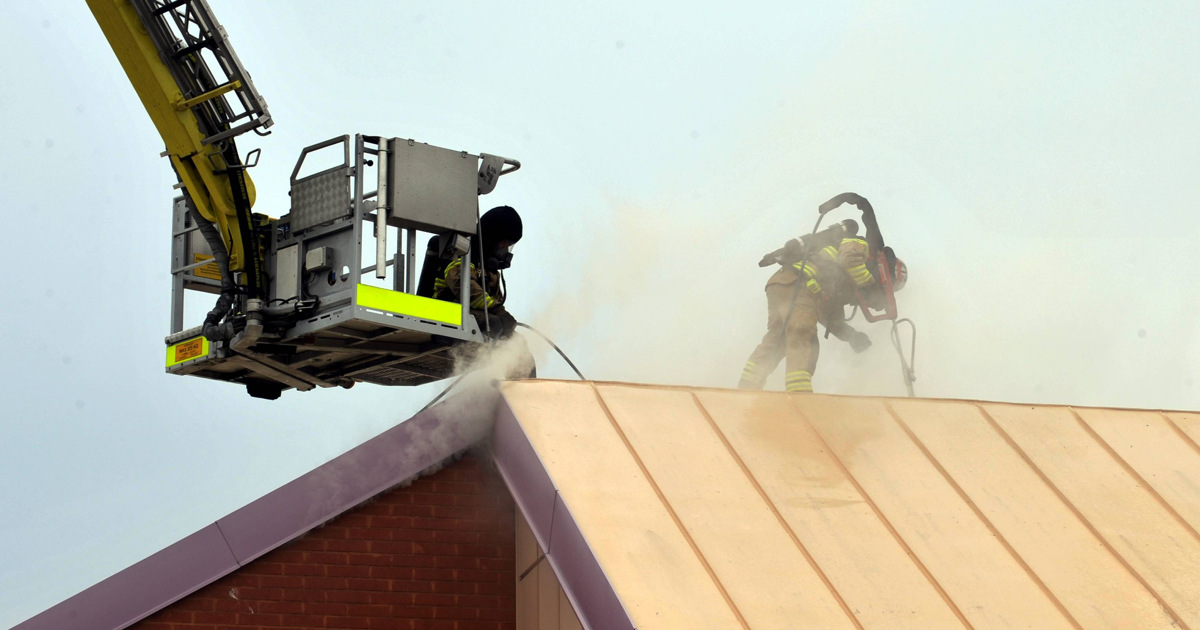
<point>438,554</point>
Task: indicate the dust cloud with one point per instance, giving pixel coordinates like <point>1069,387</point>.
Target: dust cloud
<point>1039,270</point>
<point>1042,213</point>
<point>472,393</point>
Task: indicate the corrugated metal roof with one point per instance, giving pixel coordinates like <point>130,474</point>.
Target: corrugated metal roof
<point>713,508</point>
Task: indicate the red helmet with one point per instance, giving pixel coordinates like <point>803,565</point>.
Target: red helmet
<point>900,277</point>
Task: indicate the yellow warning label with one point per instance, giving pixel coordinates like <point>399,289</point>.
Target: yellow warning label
<point>210,271</point>
<point>187,350</point>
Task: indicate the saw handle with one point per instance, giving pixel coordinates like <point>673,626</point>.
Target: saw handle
<point>873,235</point>
<point>889,294</point>
<point>853,199</point>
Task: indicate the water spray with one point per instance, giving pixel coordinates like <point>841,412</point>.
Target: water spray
<point>534,331</point>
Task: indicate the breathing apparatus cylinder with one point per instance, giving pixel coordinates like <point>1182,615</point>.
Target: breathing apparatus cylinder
<point>798,249</point>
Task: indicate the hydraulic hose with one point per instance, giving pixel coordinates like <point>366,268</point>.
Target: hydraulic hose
<point>556,348</point>
<point>213,329</point>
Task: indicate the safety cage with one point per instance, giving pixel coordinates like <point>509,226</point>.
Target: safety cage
<point>331,319</point>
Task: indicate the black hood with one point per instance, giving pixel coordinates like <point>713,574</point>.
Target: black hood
<point>499,224</point>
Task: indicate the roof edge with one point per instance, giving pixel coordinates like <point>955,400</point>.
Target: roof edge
<point>583,580</point>
<point>969,401</point>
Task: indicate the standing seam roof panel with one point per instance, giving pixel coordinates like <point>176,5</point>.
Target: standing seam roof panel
<point>636,541</point>
<point>993,590</point>
<point>1132,521</point>
<point>1152,448</point>
<point>718,508</point>
<point>1093,585</point>
<point>751,555</point>
<point>831,518</point>
<point>1188,425</point>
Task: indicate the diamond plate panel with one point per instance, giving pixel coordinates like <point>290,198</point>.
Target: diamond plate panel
<point>320,198</point>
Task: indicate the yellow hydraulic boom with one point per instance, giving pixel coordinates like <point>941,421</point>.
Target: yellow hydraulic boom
<point>179,61</point>
<point>294,309</point>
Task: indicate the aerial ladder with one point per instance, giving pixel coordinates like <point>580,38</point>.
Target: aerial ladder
<point>294,308</point>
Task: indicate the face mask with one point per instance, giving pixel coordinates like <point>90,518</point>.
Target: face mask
<point>501,258</point>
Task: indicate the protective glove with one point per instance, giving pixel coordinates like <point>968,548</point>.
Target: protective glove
<point>859,341</point>
<point>503,324</point>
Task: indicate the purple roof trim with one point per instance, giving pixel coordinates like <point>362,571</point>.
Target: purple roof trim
<point>584,581</point>
<point>524,474</point>
<point>589,590</point>
<point>396,455</point>
<point>143,588</point>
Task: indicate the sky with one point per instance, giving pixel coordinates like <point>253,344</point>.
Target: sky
<point>1034,164</point>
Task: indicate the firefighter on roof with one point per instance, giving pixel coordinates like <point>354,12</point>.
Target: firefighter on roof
<point>836,268</point>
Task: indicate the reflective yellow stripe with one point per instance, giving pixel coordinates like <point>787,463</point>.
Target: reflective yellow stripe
<point>810,273</point>
<point>752,374</point>
<point>441,283</point>
<point>408,304</point>
<point>860,274</point>
<point>481,300</point>
<point>799,381</point>
<point>858,241</point>
<point>831,251</point>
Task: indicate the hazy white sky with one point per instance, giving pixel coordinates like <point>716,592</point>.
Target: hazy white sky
<point>1033,162</point>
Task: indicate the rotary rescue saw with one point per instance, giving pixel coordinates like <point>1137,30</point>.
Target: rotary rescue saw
<point>299,304</point>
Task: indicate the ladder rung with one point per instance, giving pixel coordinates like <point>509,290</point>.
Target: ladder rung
<point>170,6</point>
<point>209,95</point>
<point>205,43</point>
